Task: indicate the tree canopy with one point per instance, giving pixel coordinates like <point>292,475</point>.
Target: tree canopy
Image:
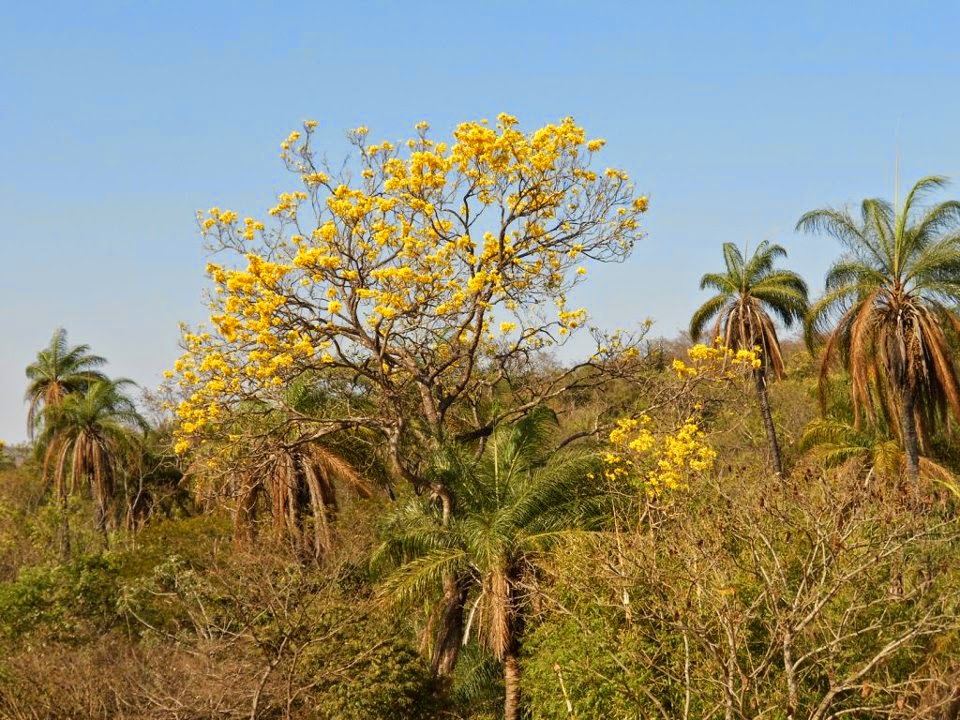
<point>415,279</point>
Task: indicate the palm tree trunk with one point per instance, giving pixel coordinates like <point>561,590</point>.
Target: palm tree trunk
<point>64,527</point>
<point>511,684</point>
<point>908,422</point>
<point>511,658</point>
<point>760,378</point>
<point>449,636</point>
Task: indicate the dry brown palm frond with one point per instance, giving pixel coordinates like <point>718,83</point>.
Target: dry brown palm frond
<point>499,605</point>
<point>863,332</point>
<point>334,466</point>
<point>934,471</point>
<point>300,482</point>
<point>769,344</point>
<point>941,362</point>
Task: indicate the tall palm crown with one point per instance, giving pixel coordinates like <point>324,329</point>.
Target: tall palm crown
<point>748,293</point>
<point>887,302</point>
<point>511,505</point>
<point>84,439</point>
<point>58,371</point>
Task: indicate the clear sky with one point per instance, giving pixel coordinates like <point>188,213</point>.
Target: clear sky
<point>119,119</point>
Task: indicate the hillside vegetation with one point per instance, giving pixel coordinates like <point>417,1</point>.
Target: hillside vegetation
<point>370,488</point>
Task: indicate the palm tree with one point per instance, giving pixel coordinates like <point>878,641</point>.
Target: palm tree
<point>748,293</point>
<point>299,479</point>
<point>58,371</point>
<point>510,506</point>
<point>85,438</point>
<point>281,467</point>
<point>887,302</point>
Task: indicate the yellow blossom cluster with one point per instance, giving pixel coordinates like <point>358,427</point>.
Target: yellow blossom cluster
<point>619,349</point>
<point>403,269</point>
<point>716,358</point>
<point>657,461</point>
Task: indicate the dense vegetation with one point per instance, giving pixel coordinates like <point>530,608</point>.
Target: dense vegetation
<point>371,489</point>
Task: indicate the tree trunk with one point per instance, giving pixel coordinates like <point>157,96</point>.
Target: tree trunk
<point>511,684</point>
<point>64,527</point>
<point>908,422</point>
<point>449,636</point>
<point>760,378</point>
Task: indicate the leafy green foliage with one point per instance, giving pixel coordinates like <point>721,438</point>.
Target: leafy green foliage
<point>511,505</point>
<point>362,667</point>
<point>823,599</point>
<point>65,602</point>
<point>676,606</point>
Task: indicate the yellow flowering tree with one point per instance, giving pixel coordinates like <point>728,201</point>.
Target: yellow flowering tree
<point>657,461</point>
<point>413,282</point>
<point>657,455</point>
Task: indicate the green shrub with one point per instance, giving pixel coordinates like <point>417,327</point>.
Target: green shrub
<point>66,602</point>
<point>364,668</point>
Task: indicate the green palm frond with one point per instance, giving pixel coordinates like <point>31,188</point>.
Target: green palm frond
<point>922,188</point>
<point>733,259</point>
<point>723,283</point>
<point>704,314</point>
<point>422,536</point>
<point>941,218</point>
<point>837,224</point>
<point>940,259</point>
<point>554,494</point>
<point>837,443</point>
<point>478,685</point>
<point>760,263</point>
<point>827,431</point>
<point>852,271</point>
<point>422,575</point>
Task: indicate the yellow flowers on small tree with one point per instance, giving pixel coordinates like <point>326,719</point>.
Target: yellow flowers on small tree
<point>657,455</point>
<point>657,461</point>
<point>416,279</point>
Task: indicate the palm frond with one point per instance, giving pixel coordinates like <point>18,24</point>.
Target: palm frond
<point>723,283</point>
<point>704,314</point>
<point>422,575</point>
<point>733,259</point>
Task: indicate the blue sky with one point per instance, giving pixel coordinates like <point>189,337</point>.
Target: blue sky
<point>118,120</point>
